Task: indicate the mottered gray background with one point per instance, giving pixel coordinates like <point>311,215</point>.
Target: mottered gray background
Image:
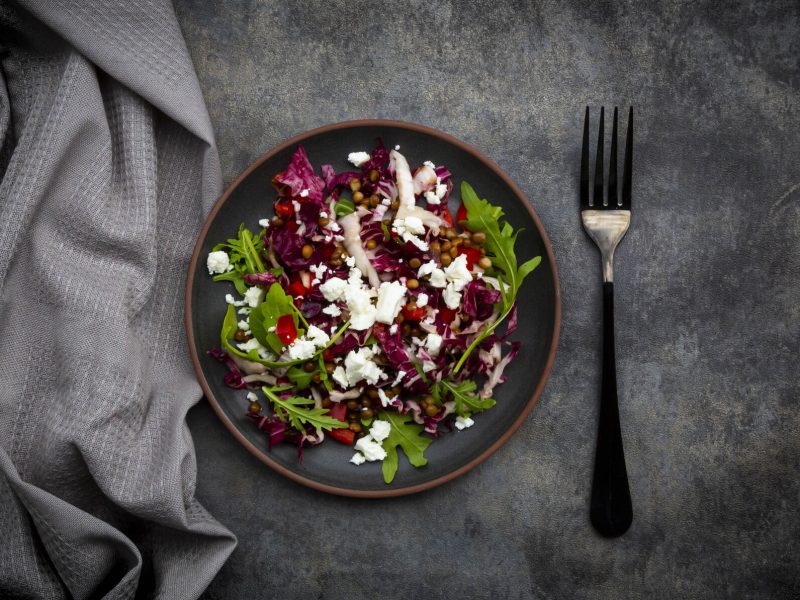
<point>708,293</point>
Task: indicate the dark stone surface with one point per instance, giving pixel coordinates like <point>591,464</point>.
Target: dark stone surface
<point>708,293</point>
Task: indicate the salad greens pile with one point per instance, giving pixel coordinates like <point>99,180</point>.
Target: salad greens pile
<point>366,312</point>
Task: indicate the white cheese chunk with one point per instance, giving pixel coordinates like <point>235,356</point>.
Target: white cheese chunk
<point>463,422</point>
<point>359,366</point>
<point>422,299</point>
<point>451,297</point>
<point>253,296</point>
<point>433,343</point>
<point>380,430</point>
<point>358,158</point>
<point>332,310</point>
<point>218,262</point>
<point>358,459</point>
<point>391,297</point>
<point>371,449</point>
<point>458,273</point>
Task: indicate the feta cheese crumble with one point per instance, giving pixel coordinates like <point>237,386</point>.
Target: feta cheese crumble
<point>359,366</point>
<point>422,299</point>
<point>451,297</point>
<point>263,222</point>
<point>253,296</point>
<point>385,400</point>
<point>463,422</point>
<point>393,328</point>
<point>408,229</point>
<point>380,430</point>
<point>230,300</point>
<point>371,449</point>
<point>433,343</point>
<point>358,459</point>
<point>358,158</point>
<point>332,310</point>
<point>304,348</point>
<point>391,297</point>
<point>218,262</point>
<point>251,396</point>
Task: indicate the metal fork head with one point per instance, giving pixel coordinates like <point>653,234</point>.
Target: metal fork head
<point>606,218</point>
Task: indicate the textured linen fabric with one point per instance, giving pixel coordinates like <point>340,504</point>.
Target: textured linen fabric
<point>108,165</point>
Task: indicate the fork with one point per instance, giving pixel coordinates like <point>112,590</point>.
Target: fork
<point>606,221</point>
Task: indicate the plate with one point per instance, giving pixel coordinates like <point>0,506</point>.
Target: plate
<point>327,467</point>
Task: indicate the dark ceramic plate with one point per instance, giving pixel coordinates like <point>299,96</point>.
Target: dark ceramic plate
<point>326,467</point>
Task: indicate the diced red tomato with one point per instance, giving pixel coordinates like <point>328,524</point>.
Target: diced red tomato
<point>461,215</point>
<point>292,225</point>
<point>447,217</point>
<point>285,329</point>
<point>284,208</point>
<point>473,255</point>
<point>296,288</point>
<point>447,314</point>
<point>338,410</point>
<point>413,314</point>
<point>343,436</point>
<point>327,354</point>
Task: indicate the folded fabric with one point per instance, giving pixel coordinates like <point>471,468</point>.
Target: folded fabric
<point>108,166</point>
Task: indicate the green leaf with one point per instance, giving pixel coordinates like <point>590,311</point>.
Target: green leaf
<point>234,276</point>
<point>386,235</point>
<point>230,325</point>
<point>500,240</point>
<point>295,408</point>
<point>344,207</point>
<point>406,435</point>
<point>276,304</point>
<point>467,401</point>
<point>299,377</point>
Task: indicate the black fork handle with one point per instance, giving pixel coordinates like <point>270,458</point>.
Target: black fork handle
<point>611,511</point>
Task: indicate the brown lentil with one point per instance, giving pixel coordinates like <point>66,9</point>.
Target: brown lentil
<point>412,284</point>
<point>479,237</point>
<point>428,399</point>
<point>355,185</point>
<point>446,245</point>
<point>323,221</point>
<point>450,233</point>
<point>355,427</point>
<point>399,319</point>
<point>241,336</point>
<point>307,251</point>
<point>414,263</point>
<point>371,244</point>
<point>374,201</point>
<point>436,246</point>
<point>316,377</point>
<point>454,252</point>
<point>372,393</point>
<point>367,414</point>
<point>329,367</point>
<point>406,329</point>
<point>395,205</point>
<point>466,242</point>
<point>309,367</point>
<point>431,410</point>
<point>358,197</point>
<point>277,221</point>
<point>485,262</point>
<point>336,262</point>
<point>373,175</point>
<point>255,406</point>
<point>326,403</point>
<point>352,404</point>
<point>446,259</point>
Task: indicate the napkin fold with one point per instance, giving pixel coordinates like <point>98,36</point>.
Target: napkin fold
<point>108,165</point>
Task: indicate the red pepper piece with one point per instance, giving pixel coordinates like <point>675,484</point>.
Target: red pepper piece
<point>338,410</point>
<point>461,215</point>
<point>296,288</point>
<point>447,217</point>
<point>447,315</point>
<point>285,329</point>
<point>284,208</point>
<point>473,255</point>
<point>343,436</point>
<point>413,314</point>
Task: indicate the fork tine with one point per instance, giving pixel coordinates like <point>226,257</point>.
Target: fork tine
<point>626,173</point>
<point>613,198</point>
<point>598,165</point>
<point>585,163</point>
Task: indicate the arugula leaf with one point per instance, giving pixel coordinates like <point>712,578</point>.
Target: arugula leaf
<point>244,252</point>
<point>230,325</point>
<point>386,235</point>
<point>299,377</point>
<point>464,394</point>
<point>500,240</point>
<point>344,207</point>
<point>295,408</point>
<point>407,436</point>
<point>276,304</point>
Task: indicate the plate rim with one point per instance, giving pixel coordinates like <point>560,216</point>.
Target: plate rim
<point>264,457</point>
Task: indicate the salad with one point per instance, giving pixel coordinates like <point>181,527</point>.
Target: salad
<point>362,311</point>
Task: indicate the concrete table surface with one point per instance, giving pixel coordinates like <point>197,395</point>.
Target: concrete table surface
<point>708,293</point>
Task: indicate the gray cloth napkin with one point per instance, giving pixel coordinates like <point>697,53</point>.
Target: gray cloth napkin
<point>108,165</point>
